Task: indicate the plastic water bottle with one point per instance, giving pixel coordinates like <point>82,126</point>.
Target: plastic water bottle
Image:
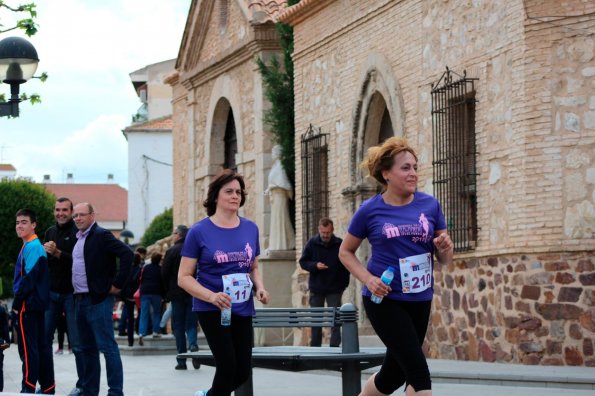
<point>226,313</point>
<point>386,278</point>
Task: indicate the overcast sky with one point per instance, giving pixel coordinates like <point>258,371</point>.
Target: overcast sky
<point>88,48</point>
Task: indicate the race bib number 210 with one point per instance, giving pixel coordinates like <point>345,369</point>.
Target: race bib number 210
<point>416,273</point>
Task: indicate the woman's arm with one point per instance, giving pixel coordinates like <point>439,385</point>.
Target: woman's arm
<point>444,247</point>
<point>351,262</point>
<point>261,294</point>
<point>187,282</point>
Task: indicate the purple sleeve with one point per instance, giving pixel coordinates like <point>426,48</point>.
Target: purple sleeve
<point>191,248</point>
<point>358,226</point>
<point>257,248</point>
<point>440,222</point>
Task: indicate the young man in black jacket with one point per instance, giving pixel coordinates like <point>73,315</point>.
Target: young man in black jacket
<point>328,277</point>
<point>59,242</point>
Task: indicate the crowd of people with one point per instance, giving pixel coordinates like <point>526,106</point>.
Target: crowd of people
<point>71,283</point>
<point>210,275</point>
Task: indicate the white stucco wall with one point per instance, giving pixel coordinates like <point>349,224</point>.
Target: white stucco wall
<point>150,186</point>
<point>158,94</point>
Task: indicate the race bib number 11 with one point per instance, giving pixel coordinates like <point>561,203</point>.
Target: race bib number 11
<point>239,286</point>
<point>416,273</point>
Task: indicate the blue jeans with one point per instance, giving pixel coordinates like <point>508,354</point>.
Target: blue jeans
<point>165,317</point>
<point>184,323</point>
<point>96,334</point>
<point>149,302</point>
<point>64,302</point>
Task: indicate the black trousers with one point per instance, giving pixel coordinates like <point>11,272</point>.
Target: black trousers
<point>36,353</point>
<point>129,307</point>
<point>232,349</point>
<point>402,326</point>
<point>332,300</point>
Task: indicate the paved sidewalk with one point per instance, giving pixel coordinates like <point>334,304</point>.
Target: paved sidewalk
<point>155,376</point>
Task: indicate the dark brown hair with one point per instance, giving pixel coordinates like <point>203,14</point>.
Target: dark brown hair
<point>64,199</point>
<point>156,258</point>
<point>224,177</point>
<point>26,212</point>
<point>325,222</point>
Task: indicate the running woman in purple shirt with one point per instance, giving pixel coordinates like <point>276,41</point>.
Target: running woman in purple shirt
<point>221,253</point>
<point>406,229</point>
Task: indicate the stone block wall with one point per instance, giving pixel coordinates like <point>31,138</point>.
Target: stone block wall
<point>531,309</point>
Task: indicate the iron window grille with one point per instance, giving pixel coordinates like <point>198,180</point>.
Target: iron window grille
<point>315,200</point>
<point>454,165</point>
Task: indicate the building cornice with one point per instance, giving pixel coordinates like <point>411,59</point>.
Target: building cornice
<point>301,11</point>
<point>262,38</point>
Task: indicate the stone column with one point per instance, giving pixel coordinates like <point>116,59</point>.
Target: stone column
<point>276,267</point>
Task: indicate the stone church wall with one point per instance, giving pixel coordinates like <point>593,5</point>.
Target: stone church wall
<point>535,136</point>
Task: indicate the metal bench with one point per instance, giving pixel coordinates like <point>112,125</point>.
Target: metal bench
<point>349,359</point>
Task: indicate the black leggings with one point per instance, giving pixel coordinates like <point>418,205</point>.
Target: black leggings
<point>232,349</point>
<point>401,325</point>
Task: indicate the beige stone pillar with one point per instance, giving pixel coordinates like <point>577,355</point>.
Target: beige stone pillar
<point>276,267</point>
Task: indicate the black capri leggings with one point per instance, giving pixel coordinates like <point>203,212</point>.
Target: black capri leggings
<point>402,326</point>
<point>232,349</point>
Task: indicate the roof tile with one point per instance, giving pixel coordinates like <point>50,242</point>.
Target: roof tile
<point>109,200</point>
<point>266,10</point>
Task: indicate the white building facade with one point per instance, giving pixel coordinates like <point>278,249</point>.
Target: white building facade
<point>150,186</point>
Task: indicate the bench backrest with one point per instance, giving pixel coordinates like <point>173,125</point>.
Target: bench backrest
<point>296,317</point>
<point>346,317</point>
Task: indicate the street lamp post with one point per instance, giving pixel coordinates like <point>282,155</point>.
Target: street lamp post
<point>126,235</point>
<point>18,63</point>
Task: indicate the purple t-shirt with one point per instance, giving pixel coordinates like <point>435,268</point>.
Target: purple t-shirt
<point>222,251</point>
<point>397,232</point>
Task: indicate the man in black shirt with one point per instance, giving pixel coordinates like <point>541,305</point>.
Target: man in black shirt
<point>328,277</point>
<point>59,242</point>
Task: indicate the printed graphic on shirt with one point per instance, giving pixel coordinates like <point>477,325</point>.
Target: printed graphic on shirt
<point>419,233</point>
<point>243,258</point>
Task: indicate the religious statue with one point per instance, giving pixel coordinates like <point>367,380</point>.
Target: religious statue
<point>280,191</point>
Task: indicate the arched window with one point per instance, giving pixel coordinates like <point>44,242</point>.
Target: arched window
<point>386,127</point>
<point>230,142</point>
<point>223,15</point>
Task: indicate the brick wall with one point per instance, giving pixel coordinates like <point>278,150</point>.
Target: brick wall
<point>535,136</point>
<point>218,72</point>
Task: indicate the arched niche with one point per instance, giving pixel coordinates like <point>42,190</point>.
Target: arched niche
<point>378,115</point>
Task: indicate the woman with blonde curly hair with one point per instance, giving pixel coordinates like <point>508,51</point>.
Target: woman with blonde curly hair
<point>406,229</point>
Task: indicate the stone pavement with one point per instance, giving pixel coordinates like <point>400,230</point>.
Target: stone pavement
<point>155,376</point>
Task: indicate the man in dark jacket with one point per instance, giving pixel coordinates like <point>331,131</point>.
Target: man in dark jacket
<point>328,277</point>
<point>96,279</point>
<point>184,321</point>
<point>59,242</point>
<point>31,296</point>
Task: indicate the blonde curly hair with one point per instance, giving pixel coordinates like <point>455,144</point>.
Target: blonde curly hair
<point>382,157</point>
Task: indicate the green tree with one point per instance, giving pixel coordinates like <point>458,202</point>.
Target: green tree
<point>25,22</point>
<point>278,89</point>
<point>15,195</point>
<point>161,226</point>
